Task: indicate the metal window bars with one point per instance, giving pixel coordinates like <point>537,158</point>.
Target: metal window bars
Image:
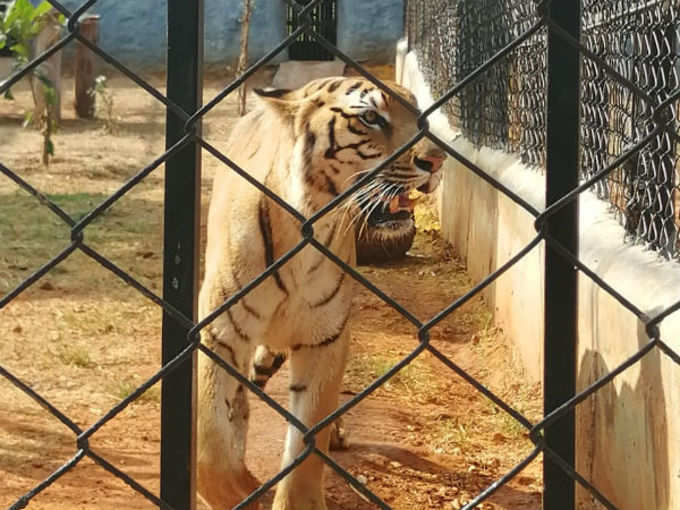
<point>527,30</point>
<point>306,47</point>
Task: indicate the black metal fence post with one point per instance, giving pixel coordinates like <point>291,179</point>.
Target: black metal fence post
<point>181,245</point>
<point>561,293</point>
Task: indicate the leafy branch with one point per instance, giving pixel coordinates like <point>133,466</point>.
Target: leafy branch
<point>19,26</point>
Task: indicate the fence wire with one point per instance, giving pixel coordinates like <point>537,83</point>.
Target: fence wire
<point>511,117</point>
<point>639,39</point>
<point>505,107</point>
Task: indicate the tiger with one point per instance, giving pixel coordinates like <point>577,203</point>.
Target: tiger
<point>306,145</point>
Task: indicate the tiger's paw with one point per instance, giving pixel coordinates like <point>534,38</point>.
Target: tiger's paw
<point>223,492</point>
<point>339,436</point>
<point>297,502</point>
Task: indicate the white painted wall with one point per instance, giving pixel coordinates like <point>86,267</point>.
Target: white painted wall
<point>628,433</point>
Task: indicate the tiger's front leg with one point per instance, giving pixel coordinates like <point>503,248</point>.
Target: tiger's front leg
<point>222,427</point>
<point>315,381</point>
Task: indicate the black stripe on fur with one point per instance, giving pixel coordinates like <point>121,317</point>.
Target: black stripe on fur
<point>242,334</point>
<point>227,347</point>
<point>334,86</point>
<point>353,87</point>
<point>335,291</point>
<point>266,231</point>
<point>324,343</point>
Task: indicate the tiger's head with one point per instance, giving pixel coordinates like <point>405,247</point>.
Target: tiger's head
<point>343,128</point>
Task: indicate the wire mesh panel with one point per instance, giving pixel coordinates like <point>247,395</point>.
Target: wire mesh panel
<point>639,40</point>
<point>477,56</point>
<point>503,107</point>
<point>629,94</point>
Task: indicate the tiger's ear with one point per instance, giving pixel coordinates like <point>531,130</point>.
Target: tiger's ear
<point>283,101</point>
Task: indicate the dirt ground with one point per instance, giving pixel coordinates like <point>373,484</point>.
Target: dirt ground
<point>84,340</point>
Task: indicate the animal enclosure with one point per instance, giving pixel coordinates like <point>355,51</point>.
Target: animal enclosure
<point>623,73</point>
<point>430,398</point>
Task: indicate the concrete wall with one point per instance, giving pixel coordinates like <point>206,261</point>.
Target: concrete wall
<point>134,31</point>
<point>369,30</point>
<point>628,432</point>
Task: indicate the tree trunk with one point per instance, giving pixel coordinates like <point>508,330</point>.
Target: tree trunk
<point>85,72</point>
<point>243,55</point>
<point>51,69</point>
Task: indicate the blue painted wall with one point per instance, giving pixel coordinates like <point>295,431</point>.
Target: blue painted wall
<point>134,31</point>
<point>370,29</point>
<point>223,29</point>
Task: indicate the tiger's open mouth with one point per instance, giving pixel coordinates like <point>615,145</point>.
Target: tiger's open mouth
<point>396,213</point>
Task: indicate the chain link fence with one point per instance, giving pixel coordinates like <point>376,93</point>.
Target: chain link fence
<point>639,40</point>
<point>512,117</point>
<point>628,127</point>
<point>504,108</point>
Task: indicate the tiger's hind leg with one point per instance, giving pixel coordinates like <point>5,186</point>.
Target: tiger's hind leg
<point>339,436</point>
<point>265,364</point>
<point>314,384</point>
<point>222,426</point>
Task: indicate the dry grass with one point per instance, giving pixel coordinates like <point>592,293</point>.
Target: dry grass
<point>120,390</point>
<point>32,235</point>
<point>414,382</point>
<point>76,355</point>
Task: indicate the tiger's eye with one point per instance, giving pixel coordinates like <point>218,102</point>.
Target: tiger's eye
<point>371,117</point>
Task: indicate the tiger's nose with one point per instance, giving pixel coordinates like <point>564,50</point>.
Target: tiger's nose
<point>429,163</point>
